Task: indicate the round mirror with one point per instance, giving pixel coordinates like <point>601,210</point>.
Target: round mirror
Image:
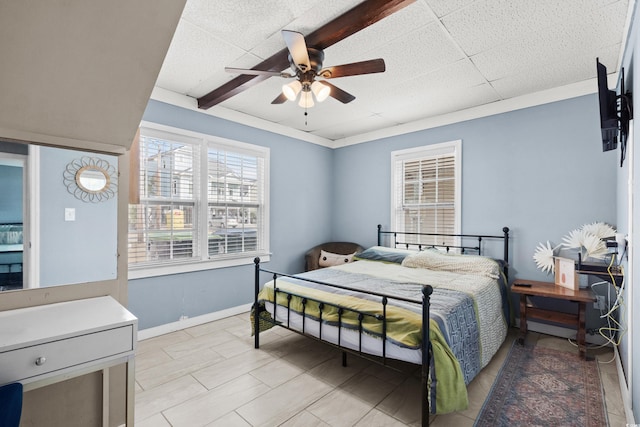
<point>92,179</point>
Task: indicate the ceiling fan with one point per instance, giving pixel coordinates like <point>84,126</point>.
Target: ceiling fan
<point>359,17</point>
<point>306,65</point>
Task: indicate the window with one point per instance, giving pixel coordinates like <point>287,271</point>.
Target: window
<point>425,187</point>
<point>202,204</point>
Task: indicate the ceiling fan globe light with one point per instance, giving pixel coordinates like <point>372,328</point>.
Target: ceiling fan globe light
<point>291,90</point>
<point>306,100</point>
<point>320,91</point>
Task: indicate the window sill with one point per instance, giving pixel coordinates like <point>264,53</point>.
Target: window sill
<point>188,267</point>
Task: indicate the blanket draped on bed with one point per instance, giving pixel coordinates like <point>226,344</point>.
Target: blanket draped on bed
<point>463,338</point>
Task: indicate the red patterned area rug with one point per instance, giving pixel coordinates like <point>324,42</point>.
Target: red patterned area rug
<point>539,386</point>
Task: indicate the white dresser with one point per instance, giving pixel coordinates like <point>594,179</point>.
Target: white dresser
<point>51,343</point>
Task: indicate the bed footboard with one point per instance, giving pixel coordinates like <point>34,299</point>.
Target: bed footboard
<point>361,315</point>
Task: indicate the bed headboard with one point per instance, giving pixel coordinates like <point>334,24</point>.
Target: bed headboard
<point>412,240</point>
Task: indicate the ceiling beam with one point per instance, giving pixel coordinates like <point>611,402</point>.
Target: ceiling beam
<point>359,17</point>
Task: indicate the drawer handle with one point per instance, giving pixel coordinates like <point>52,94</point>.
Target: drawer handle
<point>40,360</point>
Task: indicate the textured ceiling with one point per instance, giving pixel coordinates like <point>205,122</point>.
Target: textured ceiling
<point>441,56</point>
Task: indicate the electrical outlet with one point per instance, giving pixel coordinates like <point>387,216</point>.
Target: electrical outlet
<point>599,304</point>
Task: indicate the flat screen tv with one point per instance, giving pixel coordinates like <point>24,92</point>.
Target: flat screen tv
<point>608,110</point>
<point>616,111</point>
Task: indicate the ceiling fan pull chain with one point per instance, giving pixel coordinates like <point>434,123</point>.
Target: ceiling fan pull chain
<point>305,116</point>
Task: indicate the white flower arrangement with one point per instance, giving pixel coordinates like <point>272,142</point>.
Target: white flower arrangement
<point>588,240</point>
<point>544,257</point>
<point>600,230</point>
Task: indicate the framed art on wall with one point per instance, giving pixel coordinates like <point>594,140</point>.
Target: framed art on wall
<point>566,275</point>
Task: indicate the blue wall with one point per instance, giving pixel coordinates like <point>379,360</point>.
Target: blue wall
<point>70,252</point>
<point>84,250</point>
<point>10,194</point>
<point>11,189</point>
<point>300,217</point>
<point>540,171</point>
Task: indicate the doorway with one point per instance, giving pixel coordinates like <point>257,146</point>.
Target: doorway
<point>13,191</point>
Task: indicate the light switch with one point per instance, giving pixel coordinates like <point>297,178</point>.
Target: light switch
<point>69,214</point>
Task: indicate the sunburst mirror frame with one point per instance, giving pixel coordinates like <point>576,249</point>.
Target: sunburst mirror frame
<point>91,179</point>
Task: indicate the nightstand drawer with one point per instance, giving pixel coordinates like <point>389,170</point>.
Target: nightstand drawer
<point>38,360</point>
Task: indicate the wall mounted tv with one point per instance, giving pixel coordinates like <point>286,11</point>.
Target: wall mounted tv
<point>615,112</point>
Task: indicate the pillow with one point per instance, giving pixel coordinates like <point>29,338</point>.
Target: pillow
<point>384,254</point>
<point>328,259</point>
<point>464,264</point>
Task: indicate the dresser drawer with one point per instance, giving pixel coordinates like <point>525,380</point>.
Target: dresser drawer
<point>34,361</point>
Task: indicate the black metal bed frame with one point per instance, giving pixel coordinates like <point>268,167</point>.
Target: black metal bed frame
<point>427,290</point>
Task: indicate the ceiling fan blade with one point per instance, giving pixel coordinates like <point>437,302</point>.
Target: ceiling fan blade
<point>256,72</point>
<point>353,69</point>
<point>280,99</point>
<point>339,94</point>
<point>359,17</point>
<point>297,48</point>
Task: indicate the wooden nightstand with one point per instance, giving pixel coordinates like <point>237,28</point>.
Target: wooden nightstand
<point>527,288</point>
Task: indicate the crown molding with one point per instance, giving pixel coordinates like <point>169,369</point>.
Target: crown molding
<point>189,103</point>
<point>561,93</point>
<point>499,107</point>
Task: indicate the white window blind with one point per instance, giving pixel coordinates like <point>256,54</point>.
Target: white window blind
<point>426,192</point>
<point>234,200</point>
<point>201,200</point>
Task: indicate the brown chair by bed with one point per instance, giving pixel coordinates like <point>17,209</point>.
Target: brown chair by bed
<point>312,257</point>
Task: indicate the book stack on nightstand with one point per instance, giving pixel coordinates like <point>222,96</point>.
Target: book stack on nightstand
<point>529,288</point>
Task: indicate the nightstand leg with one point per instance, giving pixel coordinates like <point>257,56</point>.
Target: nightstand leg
<point>523,318</point>
<point>581,330</point>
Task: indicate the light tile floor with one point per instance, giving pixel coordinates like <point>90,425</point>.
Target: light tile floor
<point>210,375</point>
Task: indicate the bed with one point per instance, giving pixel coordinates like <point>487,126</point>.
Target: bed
<point>442,306</point>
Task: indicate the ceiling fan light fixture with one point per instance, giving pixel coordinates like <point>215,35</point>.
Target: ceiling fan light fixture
<point>306,100</point>
<point>320,91</point>
<point>292,90</point>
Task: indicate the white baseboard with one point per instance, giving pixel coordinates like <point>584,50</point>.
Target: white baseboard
<point>624,391</point>
<point>562,332</point>
<point>192,321</point>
